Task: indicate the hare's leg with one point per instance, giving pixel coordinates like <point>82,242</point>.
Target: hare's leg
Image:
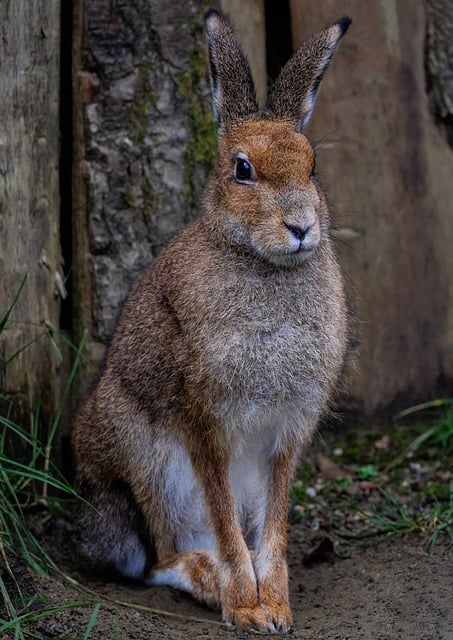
<point>196,572</point>
<point>238,587</point>
<point>112,530</point>
<point>270,559</point>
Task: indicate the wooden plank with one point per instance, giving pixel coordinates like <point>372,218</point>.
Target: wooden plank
<point>29,200</point>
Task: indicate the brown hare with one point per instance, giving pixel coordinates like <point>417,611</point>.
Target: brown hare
<point>224,358</point>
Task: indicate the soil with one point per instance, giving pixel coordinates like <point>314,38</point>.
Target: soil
<point>394,590</point>
<point>362,558</point>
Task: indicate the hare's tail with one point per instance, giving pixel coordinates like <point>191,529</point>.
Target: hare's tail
<point>113,532</point>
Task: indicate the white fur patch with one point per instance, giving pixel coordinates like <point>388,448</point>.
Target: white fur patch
<point>175,577</point>
<point>262,562</point>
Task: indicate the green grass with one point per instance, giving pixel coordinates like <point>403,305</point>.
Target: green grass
<point>440,434</point>
<point>441,521</point>
<point>430,512</point>
<point>396,483</point>
<point>92,621</point>
<point>29,481</point>
<point>367,472</point>
<point>392,517</point>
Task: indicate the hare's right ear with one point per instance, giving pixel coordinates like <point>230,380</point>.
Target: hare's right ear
<point>233,89</point>
<point>294,92</point>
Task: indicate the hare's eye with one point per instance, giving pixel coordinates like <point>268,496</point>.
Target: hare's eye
<point>243,171</point>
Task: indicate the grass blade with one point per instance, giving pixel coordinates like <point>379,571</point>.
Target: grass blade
<point>5,318</point>
<point>432,404</point>
<point>91,621</point>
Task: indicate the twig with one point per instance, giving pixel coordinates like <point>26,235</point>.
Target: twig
<point>141,607</point>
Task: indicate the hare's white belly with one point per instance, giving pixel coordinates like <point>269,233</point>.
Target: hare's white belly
<point>185,502</point>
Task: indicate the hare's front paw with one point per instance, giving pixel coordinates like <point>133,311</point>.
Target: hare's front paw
<point>275,618</point>
<point>242,610</point>
<point>240,607</point>
<point>273,591</point>
<point>249,619</point>
<point>279,613</point>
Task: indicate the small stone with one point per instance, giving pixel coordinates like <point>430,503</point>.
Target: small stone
<point>383,443</point>
<point>338,451</point>
<point>311,492</point>
<point>369,485</point>
<point>352,489</point>
<point>315,525</point>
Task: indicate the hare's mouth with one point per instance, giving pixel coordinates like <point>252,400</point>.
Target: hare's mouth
<point>302,253</point>
<point>287,258</point>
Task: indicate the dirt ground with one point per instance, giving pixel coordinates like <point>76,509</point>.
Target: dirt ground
<point>394,590</point>
<point>371,516</point>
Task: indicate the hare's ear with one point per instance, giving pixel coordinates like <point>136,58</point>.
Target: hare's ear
<point>294,93</point>
<point>233,90</point>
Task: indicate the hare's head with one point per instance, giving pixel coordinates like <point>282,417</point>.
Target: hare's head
<point>262,195</point>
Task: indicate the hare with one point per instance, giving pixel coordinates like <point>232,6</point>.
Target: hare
<point>225,356</point>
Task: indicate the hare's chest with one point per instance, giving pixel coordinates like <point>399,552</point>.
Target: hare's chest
<point>264,362</point>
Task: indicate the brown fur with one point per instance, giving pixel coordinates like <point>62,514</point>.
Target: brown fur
<point>226,353</point>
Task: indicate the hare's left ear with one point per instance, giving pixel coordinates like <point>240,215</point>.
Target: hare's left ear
<point>233,89</point>
<point>293,94</point>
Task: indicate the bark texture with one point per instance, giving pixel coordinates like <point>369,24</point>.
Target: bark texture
<point>388,167</point>
<point>145,139</point>
<point>439,61</point>
<point>29,202</point>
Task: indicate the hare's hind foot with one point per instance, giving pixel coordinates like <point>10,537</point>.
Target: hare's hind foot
<point>196,572</point>
<point>199,573</point>
<point>113,533</point>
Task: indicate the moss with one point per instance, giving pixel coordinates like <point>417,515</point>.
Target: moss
<point>145,97</point>
<point>191,86</point>
<point>148,208</point>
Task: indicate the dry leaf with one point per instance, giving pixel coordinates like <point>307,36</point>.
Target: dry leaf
<point>329,469</point>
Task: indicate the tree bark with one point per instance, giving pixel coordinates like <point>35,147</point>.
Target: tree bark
<point>29,201</point>
<point>145,140</point>
<point>439,61</point>
<point>387,167</point>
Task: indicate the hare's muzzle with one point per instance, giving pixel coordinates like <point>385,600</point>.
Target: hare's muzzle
<point>298,233</point>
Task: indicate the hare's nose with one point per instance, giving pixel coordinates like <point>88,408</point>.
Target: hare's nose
<point>298,232</point>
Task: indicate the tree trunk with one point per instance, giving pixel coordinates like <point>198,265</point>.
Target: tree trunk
<point>145,140</point>
<point>388,169</point>
<point>439,61</point>
<point>29,202</point>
